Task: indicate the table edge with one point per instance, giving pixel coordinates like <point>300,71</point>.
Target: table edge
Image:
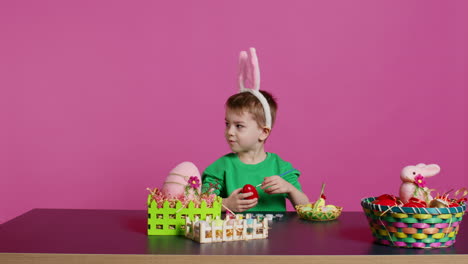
<point>7,258</point>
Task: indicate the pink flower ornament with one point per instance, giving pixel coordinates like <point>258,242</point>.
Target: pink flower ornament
<point>194,182</point>
<point>420,181</point>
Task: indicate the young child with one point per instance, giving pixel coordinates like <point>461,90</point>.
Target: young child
<point>250,116</point>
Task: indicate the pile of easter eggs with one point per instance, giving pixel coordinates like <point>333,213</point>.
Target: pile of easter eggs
<point>437,202</point>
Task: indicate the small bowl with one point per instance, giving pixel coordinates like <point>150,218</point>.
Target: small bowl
<point>306,212</point>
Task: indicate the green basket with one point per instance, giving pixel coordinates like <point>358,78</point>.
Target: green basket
<point>413,227</point>
<point>171,221</point>
<point>317,215</point>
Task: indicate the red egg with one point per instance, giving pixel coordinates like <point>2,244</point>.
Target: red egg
<point>414,204</point>
<point>418,201</point>
<point>385,202</point>
<point>386,197</point>
<point>250,188</point>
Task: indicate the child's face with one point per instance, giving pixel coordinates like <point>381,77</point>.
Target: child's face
<point>242,131</point>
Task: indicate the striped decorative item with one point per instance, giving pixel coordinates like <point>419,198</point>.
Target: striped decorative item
<point>413,227</point>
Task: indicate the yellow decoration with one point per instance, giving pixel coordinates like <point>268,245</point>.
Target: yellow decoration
<point>400,235</point>
<point>419,236</point>
<point>438,235</point>
<point>445,216</point>
<point>398,215</point>
<point>383,232</point>
<point>319,203</point>
<point>422,216</point>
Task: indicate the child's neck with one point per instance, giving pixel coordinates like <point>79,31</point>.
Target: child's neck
<point>253,156</point>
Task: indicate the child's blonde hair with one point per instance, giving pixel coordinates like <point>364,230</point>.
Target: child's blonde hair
<point>248,102</point>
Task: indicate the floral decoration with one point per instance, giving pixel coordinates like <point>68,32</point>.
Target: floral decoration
<point>420,181</point>
<point>194,182</point>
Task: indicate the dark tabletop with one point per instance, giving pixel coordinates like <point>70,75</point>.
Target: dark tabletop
<point>124,232</point>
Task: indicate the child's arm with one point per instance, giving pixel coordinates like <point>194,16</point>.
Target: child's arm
<point>297,197</point>
<point>237,202</point>
<point>276,184</point>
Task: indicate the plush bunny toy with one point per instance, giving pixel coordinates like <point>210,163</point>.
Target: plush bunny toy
<point>413,181</point>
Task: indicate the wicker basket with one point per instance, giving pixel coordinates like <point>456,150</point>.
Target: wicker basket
<point>412,227</point>
<point>317,215</point>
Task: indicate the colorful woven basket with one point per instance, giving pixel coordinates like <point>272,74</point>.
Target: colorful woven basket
<point>412,227</point>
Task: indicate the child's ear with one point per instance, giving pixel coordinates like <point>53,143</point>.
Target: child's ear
<point>265,133</point>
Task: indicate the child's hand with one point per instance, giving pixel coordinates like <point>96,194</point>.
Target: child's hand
<point>276,184</point>
<point>237,202</point>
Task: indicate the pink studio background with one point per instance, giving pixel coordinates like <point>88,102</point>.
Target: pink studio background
<point>100,99</point>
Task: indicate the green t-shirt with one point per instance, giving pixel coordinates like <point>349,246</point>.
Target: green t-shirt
<point>230,173</point>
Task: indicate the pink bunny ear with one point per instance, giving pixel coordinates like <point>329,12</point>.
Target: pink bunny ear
<point>249,71</point>
<point>249,80</point>
<point>431,170</point>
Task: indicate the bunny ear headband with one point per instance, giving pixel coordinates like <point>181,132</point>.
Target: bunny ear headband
<point>249,80</point>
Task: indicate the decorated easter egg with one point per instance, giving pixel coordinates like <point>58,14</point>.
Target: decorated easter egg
<point>387,197</point>
<point>438,203</point>
<point>413,204</point>
<point>385,202</point>
<point>319,203</point>
<point>175,183</point>
<point>415,200</point>
<point>250,188</point>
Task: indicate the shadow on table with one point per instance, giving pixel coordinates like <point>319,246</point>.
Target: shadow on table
<point>358,234</point>
<point>136,225</point>
<point>171,245</point>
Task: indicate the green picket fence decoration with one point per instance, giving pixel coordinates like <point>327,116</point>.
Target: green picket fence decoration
<point>171,221</point>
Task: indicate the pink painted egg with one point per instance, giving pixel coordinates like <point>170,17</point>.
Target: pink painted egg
<point>175,182</point>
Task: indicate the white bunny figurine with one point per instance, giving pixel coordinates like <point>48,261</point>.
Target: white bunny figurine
<point>413,181</point>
